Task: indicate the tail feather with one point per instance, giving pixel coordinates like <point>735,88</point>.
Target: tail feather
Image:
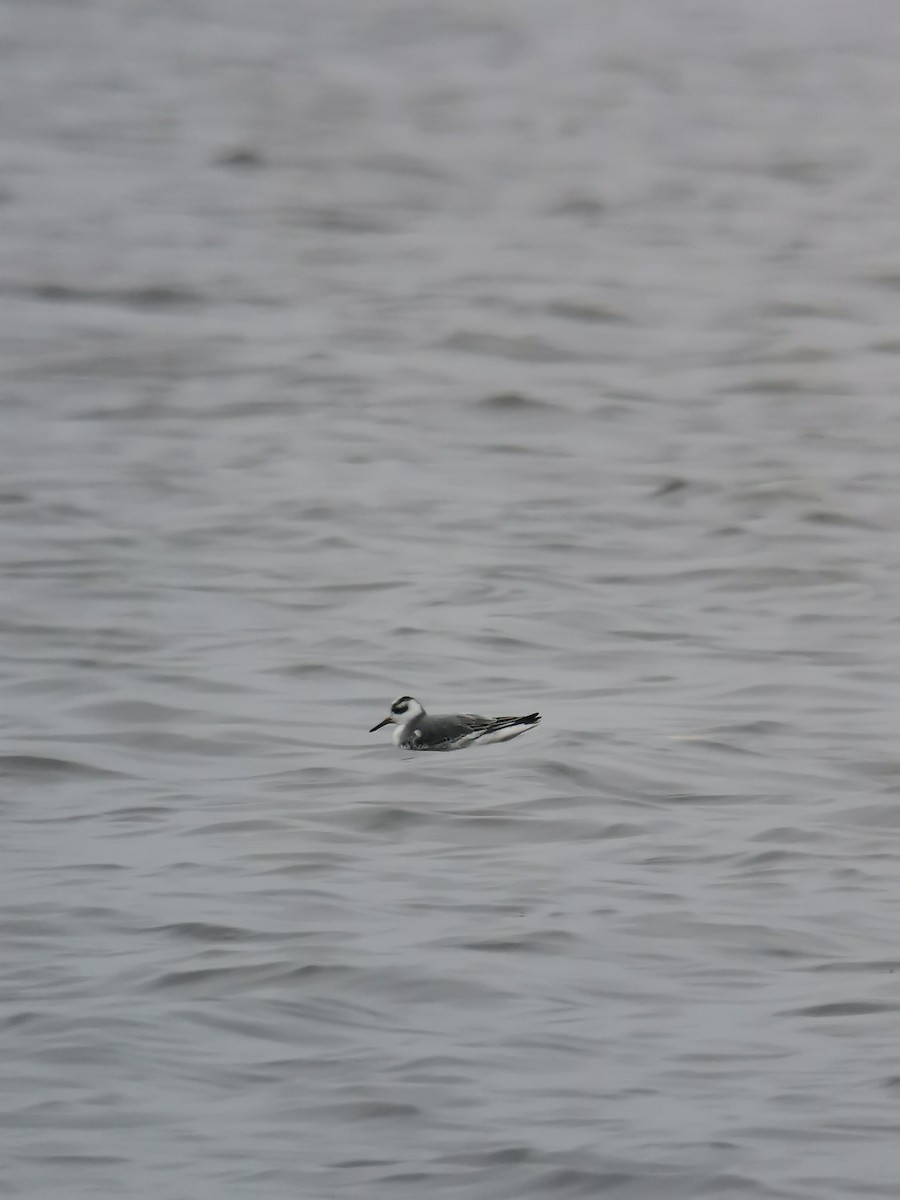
<point>503,729</point>
<point>502,722</point>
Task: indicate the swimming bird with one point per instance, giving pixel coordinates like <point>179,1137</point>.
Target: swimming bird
<point>416,730</point>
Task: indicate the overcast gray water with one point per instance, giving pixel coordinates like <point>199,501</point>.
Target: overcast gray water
<point>517,355</point>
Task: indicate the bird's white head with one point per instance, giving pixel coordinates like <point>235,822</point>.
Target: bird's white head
<point>403,710</point>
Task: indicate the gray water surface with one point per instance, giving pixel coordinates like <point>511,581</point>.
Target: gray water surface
<point>514,355</point>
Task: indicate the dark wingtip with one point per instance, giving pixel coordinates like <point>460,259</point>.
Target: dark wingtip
<point>533,718</point>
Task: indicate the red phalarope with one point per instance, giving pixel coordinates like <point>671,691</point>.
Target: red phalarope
<point>416,730</point>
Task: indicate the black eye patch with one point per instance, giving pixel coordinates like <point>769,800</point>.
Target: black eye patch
<point>399,708</point>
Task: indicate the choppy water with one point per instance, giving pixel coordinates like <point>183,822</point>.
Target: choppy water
<point>515,355</point>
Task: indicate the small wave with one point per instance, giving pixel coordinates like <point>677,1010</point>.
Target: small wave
<point>41,767</point>
<point>145,296</point>
<point>331,219</point>
<point>202,931</point>
<point>538,941</point>
<point>589,208</point>
<point>226,980</point>
<point>592,314</point>
<point>842,1008</point>
<point>240,156</point>
<point>516,349</point>
<point>513,402</point>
